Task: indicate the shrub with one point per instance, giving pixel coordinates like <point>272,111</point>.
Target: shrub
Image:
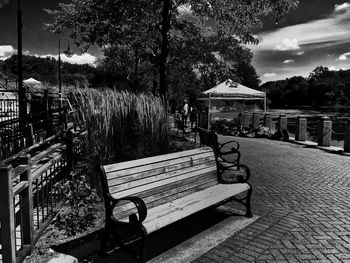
<point>78,213</point>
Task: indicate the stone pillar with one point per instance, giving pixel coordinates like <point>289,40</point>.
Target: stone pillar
<point>301,129</point>
<point>246,120</point>
<point>282,122</point>
<point>255,120</point>
<point>347,137</point>
<point>324,132</point>
<point>268,121</point>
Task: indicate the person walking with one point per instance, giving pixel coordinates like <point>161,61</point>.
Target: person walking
<point>185,113</point>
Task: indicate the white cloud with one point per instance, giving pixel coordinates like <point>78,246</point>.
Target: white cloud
<point>287,61</point>
<point>316,38</point>
<point>269,75</point>
<point>330,30</point>
<point>344,56</point>
<point>7,50</point>
<point>332,68</point>
<point>184,9</point>
<point>287,44</point>
<point>342,7</point>
<point>85,58</point>
<point>4,58</point>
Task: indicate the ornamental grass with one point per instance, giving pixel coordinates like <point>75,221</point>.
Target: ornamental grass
<point>122,125</point>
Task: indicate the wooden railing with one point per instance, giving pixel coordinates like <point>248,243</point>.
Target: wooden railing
<point>28,196</point>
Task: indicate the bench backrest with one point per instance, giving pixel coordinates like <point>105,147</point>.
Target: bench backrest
<point>162,178</point>
<point>208,138</point>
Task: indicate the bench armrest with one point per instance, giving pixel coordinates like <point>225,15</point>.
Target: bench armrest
<point>139,204</point>
<point>236,173</point>
<point>233,148</point>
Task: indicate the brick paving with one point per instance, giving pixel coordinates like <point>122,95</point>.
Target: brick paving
<point>303,197</point>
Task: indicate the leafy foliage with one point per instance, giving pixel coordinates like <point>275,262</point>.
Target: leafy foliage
<point>157,41</point>
<point>46,70</point>
<point>78,213</point>
<point>323,87</point>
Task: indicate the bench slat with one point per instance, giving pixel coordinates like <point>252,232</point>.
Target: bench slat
<point>160,196</point>
<point>149,186</point>
<point>155,159</point>
<point>157,168</point>
<point>159,177</point>
<point>168,213</point>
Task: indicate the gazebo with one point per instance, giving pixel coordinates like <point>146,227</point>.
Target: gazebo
<point>230,90</point>
<point>33,83</point>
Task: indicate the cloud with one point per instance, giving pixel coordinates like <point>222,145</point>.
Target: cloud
<point>6,51</point>
<point>84,58</point>
<point>184,9</point>
<point>287,44</point>
<point>332,29</point>
<point>329,34</point>
<point>287,61</point>
<point>344,56</point>
<point>269,75</point>
<point>342,7</point>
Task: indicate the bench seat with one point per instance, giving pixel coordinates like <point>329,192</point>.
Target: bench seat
<point>171,212</point>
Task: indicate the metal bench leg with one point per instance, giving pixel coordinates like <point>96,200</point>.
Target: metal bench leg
<point>247,202</point>
<point>143,244</point>
<point>104,242</point>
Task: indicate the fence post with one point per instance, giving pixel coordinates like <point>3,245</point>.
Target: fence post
<point>69,149</point>
<point>65,118</point>
<point>48,114</point>
<point>255,121</point>
<point>30,135</point>
<point>268,121</point>
<point>2,157</point>
<point>245,119</point>
<point>300,129</point>
<point>7,215</point>
<point>347,137</point>
<point>26,199</point>
<point>324,132</point>
<point>282,122</point>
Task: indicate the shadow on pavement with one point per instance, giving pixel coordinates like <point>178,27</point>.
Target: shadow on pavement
<point>85,249</point>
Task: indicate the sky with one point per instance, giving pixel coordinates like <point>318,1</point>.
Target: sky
<point>317,33</point>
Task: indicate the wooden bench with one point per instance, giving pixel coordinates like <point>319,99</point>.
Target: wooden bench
<point>223,156</point>
<point>144,195</point>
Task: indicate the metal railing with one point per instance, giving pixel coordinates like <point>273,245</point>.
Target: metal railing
<point>28,196</point>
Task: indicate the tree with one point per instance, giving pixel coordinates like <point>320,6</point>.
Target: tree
<point>46,70</point>
<point>150,23</point>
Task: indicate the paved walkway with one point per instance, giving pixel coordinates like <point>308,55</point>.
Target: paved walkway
<point>303,197</point>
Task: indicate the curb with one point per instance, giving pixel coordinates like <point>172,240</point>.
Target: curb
<point>62,258</point>
<point>331,149</point>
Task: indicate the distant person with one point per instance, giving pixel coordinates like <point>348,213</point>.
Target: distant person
<point>240,121</point>
<point>193,116</point>
<point>281,135</point>
<point>185,113</point>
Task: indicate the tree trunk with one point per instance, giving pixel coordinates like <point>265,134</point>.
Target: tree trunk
<point>163,87</point>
